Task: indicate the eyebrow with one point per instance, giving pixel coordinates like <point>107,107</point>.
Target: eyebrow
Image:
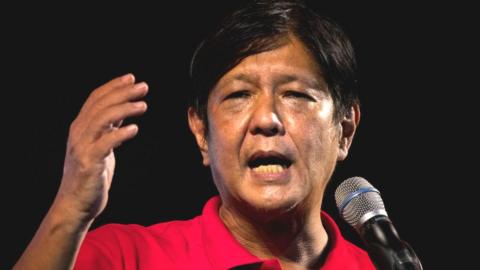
<point>284,79</point>
<point>242,77</point>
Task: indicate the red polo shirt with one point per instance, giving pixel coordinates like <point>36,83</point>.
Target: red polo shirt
<point>200,243</point>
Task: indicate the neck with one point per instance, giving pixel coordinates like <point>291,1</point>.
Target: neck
<point>296,238</point>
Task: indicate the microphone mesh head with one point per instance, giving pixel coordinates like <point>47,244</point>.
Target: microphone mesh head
<point>358,201</point>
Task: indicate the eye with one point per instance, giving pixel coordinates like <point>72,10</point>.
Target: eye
<point>297,94</point>
<point>238,94</point>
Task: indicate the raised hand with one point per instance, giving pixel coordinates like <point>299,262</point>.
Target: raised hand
<point>89,161</point>
<point>87,173</point>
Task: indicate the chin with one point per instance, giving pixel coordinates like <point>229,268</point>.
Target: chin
<point>272,204</point>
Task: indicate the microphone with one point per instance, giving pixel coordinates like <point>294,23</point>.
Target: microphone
<point>361,206</point>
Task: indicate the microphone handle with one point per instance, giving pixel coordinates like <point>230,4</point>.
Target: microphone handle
<point>385,248</point>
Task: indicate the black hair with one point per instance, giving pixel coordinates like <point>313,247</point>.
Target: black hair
<point>263,25</point>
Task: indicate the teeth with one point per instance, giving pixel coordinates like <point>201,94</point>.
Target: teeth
<point>274,168</point>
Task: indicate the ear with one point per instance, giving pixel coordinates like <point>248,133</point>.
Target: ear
<point>348,126</point>
<point>197,126</point>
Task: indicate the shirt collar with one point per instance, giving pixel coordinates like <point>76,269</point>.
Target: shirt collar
<point>225,252</point>
<point>338,254</point>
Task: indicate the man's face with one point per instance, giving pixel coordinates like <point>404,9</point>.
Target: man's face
<point>272,142</point>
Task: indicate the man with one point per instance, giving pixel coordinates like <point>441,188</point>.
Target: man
<point>274,108</point>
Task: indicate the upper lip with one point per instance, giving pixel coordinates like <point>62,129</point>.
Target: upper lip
<point>269,157</point>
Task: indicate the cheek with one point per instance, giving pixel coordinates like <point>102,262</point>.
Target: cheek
<point>225,140</point>
<point>227,127</point>
<point>217,144</point>
<point>315,137</point>
<point>224,145</point>
<point>324,144</point>
<point>317,158</point>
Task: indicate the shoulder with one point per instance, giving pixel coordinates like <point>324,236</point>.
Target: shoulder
<point>357,254</point>
<point>349,256</point>
<point>343,254</point>
<point>116,246</point>
<point>138,235</point>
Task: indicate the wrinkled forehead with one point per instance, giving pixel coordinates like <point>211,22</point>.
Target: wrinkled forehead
<point>288,63</point>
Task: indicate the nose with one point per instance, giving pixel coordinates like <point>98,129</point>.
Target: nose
<point>265,119</point>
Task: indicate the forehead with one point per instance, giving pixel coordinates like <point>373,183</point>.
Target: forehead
<point>290,62</point>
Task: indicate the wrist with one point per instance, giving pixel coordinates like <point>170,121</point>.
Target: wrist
<point>63,215</point>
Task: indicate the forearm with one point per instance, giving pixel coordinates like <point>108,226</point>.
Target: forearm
<point>56,242</point>
<point>87,173</point>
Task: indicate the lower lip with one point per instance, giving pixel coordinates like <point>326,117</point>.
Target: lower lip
<point>277,178</point>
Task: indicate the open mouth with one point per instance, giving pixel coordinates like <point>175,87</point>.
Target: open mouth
<point>269,162</point>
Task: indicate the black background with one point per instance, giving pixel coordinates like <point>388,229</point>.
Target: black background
<point>412,142</point>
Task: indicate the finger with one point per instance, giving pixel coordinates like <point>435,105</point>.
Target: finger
<point>109,141</point>
<point>118,96</point>
<point>104,120</point>
<point>114,97</point>
<point>127,79</point>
